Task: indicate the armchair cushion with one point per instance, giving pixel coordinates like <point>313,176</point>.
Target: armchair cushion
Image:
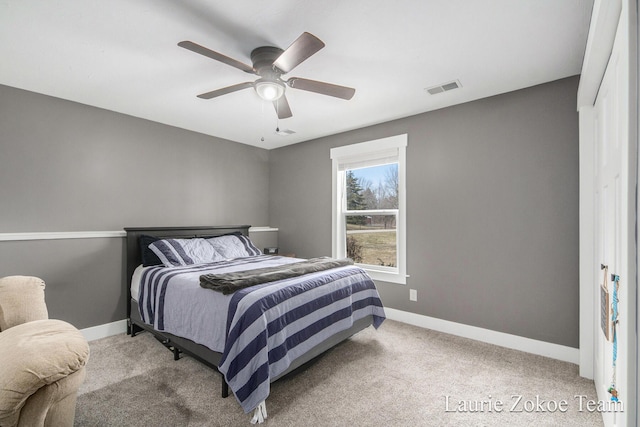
<point>21,300</point>
<point>36,354</point>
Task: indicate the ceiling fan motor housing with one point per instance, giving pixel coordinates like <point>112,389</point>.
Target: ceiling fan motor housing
<point>263,59</point>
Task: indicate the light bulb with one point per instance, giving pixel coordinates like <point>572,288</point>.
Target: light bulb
<point>269,90</point>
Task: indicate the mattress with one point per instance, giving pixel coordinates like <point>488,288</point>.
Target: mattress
<point>135,281</point>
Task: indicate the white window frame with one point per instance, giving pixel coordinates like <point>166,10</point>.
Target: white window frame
<point>370,153</point>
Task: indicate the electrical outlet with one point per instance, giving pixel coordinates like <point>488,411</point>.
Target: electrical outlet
<point>413,295</point>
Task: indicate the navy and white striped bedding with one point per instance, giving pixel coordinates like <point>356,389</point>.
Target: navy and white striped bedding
<point>266,326</point>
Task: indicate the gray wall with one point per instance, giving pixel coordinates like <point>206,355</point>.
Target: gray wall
<point>492,202</point>
<point>83,277</point>
<point>492,210</point>
<point>70,167</point>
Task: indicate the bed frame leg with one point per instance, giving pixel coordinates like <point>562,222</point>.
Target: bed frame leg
<point>225,387</point>
<point>176,353</point>
<point>132,328</point>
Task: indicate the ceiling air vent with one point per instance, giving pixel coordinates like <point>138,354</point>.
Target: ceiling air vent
<point>284,132</point>
<point>444,87</point>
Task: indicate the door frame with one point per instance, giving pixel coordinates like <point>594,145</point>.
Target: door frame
<point>604,24</point>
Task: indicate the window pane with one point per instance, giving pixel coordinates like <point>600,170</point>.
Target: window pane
<point>373,187</point>
<point>371,239</point>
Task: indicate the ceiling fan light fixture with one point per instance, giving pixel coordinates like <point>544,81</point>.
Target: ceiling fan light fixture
<point>270,63</point>
<point>269,90</point>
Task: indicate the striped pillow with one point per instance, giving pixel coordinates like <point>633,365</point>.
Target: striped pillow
<point>178,252</point>
<point>234,246</point>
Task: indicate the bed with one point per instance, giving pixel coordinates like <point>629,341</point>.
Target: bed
<point>252,334</point>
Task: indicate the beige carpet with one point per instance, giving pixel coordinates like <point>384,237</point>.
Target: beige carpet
<point>399,375</point>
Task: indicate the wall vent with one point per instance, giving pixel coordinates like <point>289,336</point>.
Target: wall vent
<point>444,87</point>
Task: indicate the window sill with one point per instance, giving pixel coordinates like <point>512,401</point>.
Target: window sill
<point>386,276</point>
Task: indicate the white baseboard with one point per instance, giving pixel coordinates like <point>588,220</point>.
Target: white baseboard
<point>515,342</point>
<point>106,330</point>
<point>541,348</point>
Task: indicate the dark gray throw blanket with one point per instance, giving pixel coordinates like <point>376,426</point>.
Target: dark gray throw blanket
<point>228,283</point>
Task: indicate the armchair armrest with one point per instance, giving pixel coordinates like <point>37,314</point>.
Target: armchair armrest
<point>36,354</point>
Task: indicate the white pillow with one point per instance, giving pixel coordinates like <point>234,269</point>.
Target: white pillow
<point>234,246</point>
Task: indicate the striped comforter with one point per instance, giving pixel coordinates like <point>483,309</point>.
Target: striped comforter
<point>268,326</point>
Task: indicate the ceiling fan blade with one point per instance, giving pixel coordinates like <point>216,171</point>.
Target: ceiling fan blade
<point>302,48</point>
<point>282,107</point>
<point>225,90</point>
<point>217,56</point>
<point>321,88</point>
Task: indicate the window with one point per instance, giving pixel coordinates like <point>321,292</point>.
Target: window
<point>369,198</point>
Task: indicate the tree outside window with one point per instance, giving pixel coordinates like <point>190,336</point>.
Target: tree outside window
<point>371,239</point>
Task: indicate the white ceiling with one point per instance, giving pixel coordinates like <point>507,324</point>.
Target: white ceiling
<point>122,55</point>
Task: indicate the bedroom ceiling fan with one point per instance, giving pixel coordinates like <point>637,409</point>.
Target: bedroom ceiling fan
<point>270,63</point>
